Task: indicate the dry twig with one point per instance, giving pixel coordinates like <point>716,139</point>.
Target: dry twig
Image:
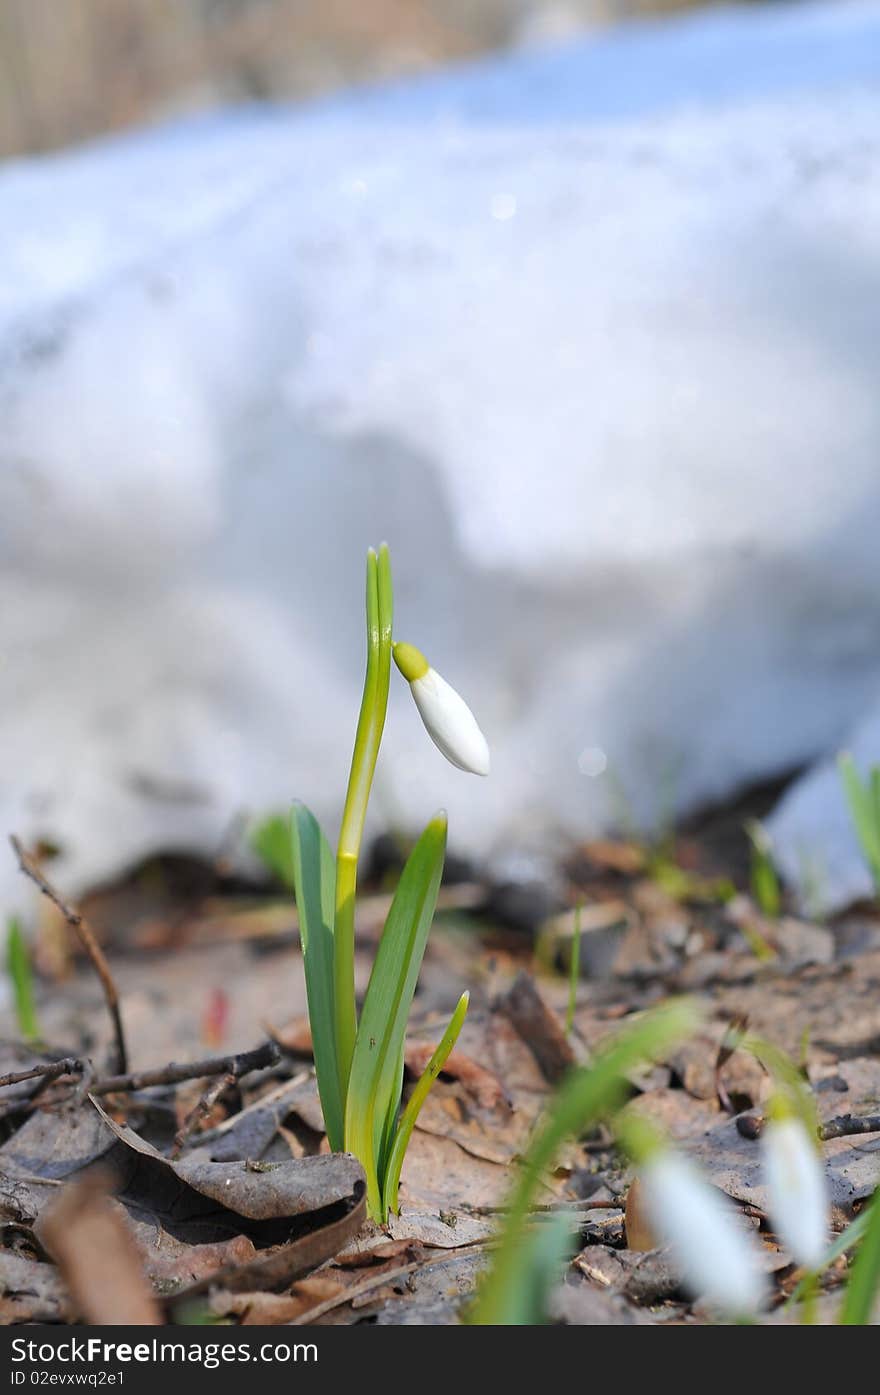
<point>49,1071</point>
<point>201,1110</point>
<point>87,939</point>
<point>380,1280</point>
<point>258,1058</point>
<point>847,1124</point>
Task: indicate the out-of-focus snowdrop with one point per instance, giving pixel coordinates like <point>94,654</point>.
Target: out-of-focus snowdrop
<point>718,1261</point>
<point>448,720</point>
<point>796,1184</point>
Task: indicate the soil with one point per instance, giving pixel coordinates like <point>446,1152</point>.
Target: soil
<point>217,1193</point>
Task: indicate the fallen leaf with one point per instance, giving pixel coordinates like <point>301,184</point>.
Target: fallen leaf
<point>32,1290</point>
<point>88,1236</point>
<point>273,1309</point>
<point>538,1026</point>
<point>283,1221</point>
<point>487,1089</point>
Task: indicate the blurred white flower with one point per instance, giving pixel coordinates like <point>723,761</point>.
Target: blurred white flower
<point>717,1260</point>
<point>798,1193</point>
<point>448,720</point>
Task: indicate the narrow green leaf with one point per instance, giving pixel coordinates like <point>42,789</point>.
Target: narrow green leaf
<point>385,1137</point>
<point>862,801</point>
<point>839,1246</point>
<point>585,1096</point>
<point>874,797</point>
<point>764,880</point>
<point>374,1083</point>
<point>415,1102</point>
<point>546,1250</point>
<point>18,964</point>
<point>787,1078</point>
<point>315,883</point>
<point>864,1283</point>
<point>271,842</point>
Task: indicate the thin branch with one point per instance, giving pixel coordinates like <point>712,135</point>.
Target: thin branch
<point>201,1110</point>
<point>388,1277</point>
<point>87,939</point>
<point>847,1124</point>
<point>70,1065</point>
<point>257,1059</point>
<point>553,1208</point>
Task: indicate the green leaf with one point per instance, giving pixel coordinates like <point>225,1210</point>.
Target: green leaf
<point>415,1102</point>
<point>585,1096</point>
<point>764,880</point>
<point>271,842</point>
<point>385,1141</point>
<point>315,883</point>
<point>863,802</point>
<point>19,966</point>
<point>839,1246</point>
<point>374,1083</point>
<point>861,1291</point>
<point>787,1078</point>
<point>547,1249</point>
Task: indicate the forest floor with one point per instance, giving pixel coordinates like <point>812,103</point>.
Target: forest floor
<point>213,1182</point>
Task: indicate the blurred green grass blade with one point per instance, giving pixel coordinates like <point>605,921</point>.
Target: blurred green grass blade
<point>787,1077</point>
<point>864,1282</point>
<point>584,1097</point>
<point>763,877</point>
<point>862,800</point>
<point>314,877</point>
<point>374,1083</point>
<point>547,1249</point>
<point>271,841</point>
<point>18,964</point>
<point>416,1100</point>
<point>874,796</point>
<point>839,1246</point>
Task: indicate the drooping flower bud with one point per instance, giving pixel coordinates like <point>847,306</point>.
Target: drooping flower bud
<point>448,720</point>
<point>797,1189</point>
<point>718,1262</point>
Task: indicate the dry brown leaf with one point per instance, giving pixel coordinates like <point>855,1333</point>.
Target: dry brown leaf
<point>269,1309</point>
<point>376,1251</point>
<point>487,1089</point>
<point>88,1237</point>
<point>32,1290</point>
<point>538,1026</point>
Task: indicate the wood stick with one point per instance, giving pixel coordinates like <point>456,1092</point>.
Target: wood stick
<point>87,939</point>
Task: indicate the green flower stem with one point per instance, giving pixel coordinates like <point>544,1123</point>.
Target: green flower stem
<point>371,723</point>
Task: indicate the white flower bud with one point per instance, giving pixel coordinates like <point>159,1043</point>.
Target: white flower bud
<point>448,720</point>
<point>717,1260</point>
<point>798,1193</point>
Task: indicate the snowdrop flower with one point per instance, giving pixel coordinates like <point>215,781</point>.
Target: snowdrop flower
<point>798,1195</point>
<point>449,721</point>
<point>701,1229</point>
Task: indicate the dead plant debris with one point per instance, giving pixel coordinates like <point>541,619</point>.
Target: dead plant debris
<point>156,1165</point>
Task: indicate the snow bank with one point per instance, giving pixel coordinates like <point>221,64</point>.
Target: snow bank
<point>588,334</point>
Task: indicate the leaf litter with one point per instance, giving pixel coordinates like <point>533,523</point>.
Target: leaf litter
<point>253,1220</point>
